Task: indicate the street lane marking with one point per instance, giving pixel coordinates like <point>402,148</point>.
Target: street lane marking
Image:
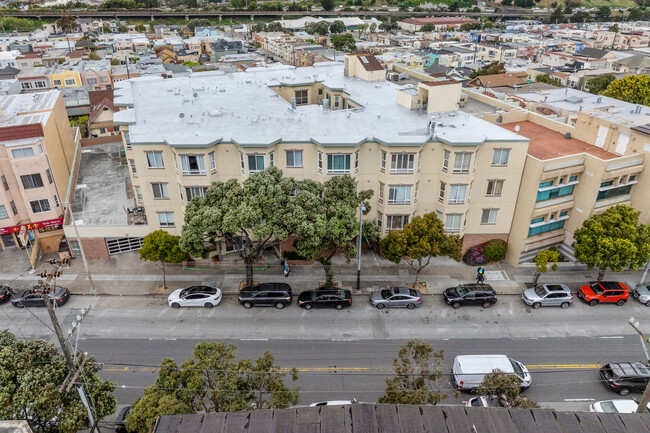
<point>563,366</point>
<point>617,336</point>
<point>253,339</point>
<point>284,370</point>
<point>578,399</point>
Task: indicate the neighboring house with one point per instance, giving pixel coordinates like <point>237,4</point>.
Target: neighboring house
<point>9,73</point>
<point>62,76</point>
<point>97,74</point>
<point>166,54</point>
<point>35,81</point>
<point>8,58</point>
<point>499,80</point>
<point>205,31</point>
<point>224,47</point>
<point>187,56</point>
<point>100,120</point>
<point>496,53</point>
<point>29,60</point>
<point>364,66</point>
<point>415,24</point>
<point>637,64</point>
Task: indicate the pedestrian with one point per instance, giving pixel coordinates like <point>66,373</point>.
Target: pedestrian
<point>480,275</point>
<point>286,268</point>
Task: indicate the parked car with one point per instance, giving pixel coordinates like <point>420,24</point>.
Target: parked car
<point>548,295</point>
<point>333,403</point>
<point>266,295</point>
<point>482,401</point>
<point>34,299</point>
<point>468,371</point>
<point>120,422</point>
<point>625,377</point>
<point>642,294</point>
<point>207,296</point>
<point>325,298</point>
<point>5,294</point>
<point>399,297</point>
<point>470,294</point>
<point>616,406</point>
<point>604,292</point>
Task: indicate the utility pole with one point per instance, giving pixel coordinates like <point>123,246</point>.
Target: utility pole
<point>645,273</point>
<point>74,371</point>
<point>362,209</point>
<point>646,395</point>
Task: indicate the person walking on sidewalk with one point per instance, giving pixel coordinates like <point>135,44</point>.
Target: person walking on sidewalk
<point>480,275</point>
<point>286,268</point>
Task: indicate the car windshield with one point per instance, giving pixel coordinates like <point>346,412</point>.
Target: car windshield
<point>461,290</point>
<point>477,402</point>
<point>608,407</point>
<point>517,368</point>
<point>597,289</point>
<point>386,294</point>
<point>540,291</point>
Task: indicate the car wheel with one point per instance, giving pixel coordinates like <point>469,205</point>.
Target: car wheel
<point>624,391</point>
<point>308,307</point>
<point>279,305</point>
<point>410,306</point>
<point>19,305</point>
<point>647,304</point>
<point>473,391</point>
<point>339,307</point>
<point>620,302</point>
<point>247,305</point>
<point>456,305</point>
<point>593,302</point>
<point>536,305</point>
<point>487,304</point>
<point>380,306</point>
<point>564,305</point>
<point>208,305</point>
<point>176,305</point>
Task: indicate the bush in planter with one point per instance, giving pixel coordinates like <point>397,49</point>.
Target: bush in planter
<point>495,250</point>
<point>474,256</point>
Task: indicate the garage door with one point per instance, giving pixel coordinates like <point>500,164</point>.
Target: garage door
<point>123,245</point>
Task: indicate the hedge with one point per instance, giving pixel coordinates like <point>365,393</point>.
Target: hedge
<point>493,250</point>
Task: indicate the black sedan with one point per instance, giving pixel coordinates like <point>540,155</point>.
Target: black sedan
<point>325,298</point>
<point>5,294</point>
<point>31,299</point>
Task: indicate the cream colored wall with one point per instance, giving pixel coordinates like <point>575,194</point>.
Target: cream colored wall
<point>60,146</point>
<point>443,98</point>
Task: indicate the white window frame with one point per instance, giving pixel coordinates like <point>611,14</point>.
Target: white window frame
<point>57,82</point>
<point>382,163</point>
<point>257,157</point>
<point>155,159</point>
<point>271,159</point>
<point>320,162</point>
<point>498,157</point>
<point>242,163</point>
<point>402,163</point>
<point>495,183</point>
<point>163,190</point>
<point>441,191</point>
<point>303,99</point>
<point>450,222</point>
<point>465,162</point>
<point>399,194</point>
<point>346,163</point>
<point>186,168</point>
<point>134,170</point>
<point>3,212</point>
<point>445,160</point>
<point>70,81</point>
<point>41,205</point>
<point>213,162</point>
<point>454,193</point>
<point>290,157</point>
<point>489,216</point>
<point>380,197</point>
<point>166,215</point>
<point>356,161</point>
<point>23,152</point>
<point>404,219</point>
<point>138,194</point>
<point>195,191</point>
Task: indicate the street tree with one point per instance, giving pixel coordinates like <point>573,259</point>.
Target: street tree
<point>320,28</point>
<point>265,383</point>
<point>634,89</point>
<point>614,28</point>
<point>362,28</point>
<point>388,26</point>
<point>429,27</point>
<point>326,220</point>
<point>419,241</point>
<point>373,27</point>
<point>160,246</point>
<point>249,216</point>
<point>68,23</point>
<point>337,27</point>
<point>31,373</point>
<point>418,374</point>
<point>197,22</point>
<point>542,261</point>
<point>613,240</point>
<point>492,68</point>
<point>505,389</point>
<point>557,16</point>
<point>327,5</point>
<point>274,27</point>
<point>546,78</point>
<point>344,42</point>
<point>634,14</point>
<point>599,84</point>
<point>603,13</point>
<point>140,28</point>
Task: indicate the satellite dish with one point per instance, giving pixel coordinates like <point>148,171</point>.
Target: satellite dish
<point>181,115</point>
<point>517,128</point>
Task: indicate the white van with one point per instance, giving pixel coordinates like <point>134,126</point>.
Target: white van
<point>469,370</point>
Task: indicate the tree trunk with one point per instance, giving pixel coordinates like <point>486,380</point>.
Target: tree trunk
<point>601,275</point>
<point>535,278</point>
<point>164,275</point>
<point>329,275</point>
<point>249,272</point>
<point>417,278</point>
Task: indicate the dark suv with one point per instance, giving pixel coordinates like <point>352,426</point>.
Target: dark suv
<point>625,377</point>
<point>266,295</point>
<point>470,294</point>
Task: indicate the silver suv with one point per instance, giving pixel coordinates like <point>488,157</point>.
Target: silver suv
<point>548,295</point>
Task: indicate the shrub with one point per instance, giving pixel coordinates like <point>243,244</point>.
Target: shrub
<point>292,255</point>
<point>495,250</point>
<point>474,256</point>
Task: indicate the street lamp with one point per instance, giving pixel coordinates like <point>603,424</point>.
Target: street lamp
<point>362,209</point>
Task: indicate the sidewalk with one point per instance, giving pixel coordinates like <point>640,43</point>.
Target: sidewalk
<point>126,275</point>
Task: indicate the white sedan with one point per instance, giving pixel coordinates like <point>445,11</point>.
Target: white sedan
<point>195,296</point>
<point>616,406</point>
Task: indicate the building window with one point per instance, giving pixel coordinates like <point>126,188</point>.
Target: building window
<point>356,161</point>
<point>396,222</point>
<point>320,162</point>
<point>241,161</point>
<point>609,190</point>
<point>56,82</point>
<point>4,182</point>
<point>338,164</point>
<point>381,192</point>
<point>445,161</point>
<point>489,216</point>
<point>138,193</point>
<point>22,153</point>
<point>134,171</point>
<point>494,188</point>
<point>380,220</point>
<point>31,181</point>
<point>166,219</point>
<point>195,191</point>
<point>271,159</point>
<point>14,209</point>
<point>213,163</point>
<point>462,161</point>
<point>441,192</point>
<point>70,82</point>
<point>549,191</point>
<point>3,213</point>
<point>294,158</point>
<point>192,164</point>
<point>92,81</point>
<point>400,194</point>
<point>419,160</point>
<point>40,84</point>
<point>160,190</point>
<point>39,206</point>
<point>56,201</point>
<point>452,222</point>
<point>155,160</point>
<point>457,194</point>
<point>49,175</point>
<point>102,130</point>
<point>402,162</point>
<point>302,97</point>
<point>255,163</point>
<point>539,226</point>
<point>415,194</point>
<point>382,165</point>
<point>500,156</point>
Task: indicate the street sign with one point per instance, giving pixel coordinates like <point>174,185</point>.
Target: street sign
<point>22,228</point>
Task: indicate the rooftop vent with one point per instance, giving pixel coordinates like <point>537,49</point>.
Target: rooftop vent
<point>293,103</point>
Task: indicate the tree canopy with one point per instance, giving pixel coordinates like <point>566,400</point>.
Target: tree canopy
<point>197,22</point>
<point>249,216</point>
<point>343,42</point>
<point>542,260</point>
<point>337,27</point>
<point>546,78</point>
<point>418,374</point>
<point>419,241</point>
<point>31,373</point>
<point>213,381</point>
<point>160,246</point>
<point>613,240</point>
<point>634,89</point>
<point>505,389</point>
<point>599,84</point>
<point>492,68</point>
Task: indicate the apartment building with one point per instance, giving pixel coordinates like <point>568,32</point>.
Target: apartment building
<point>37,148</point>
<point>318,122</point>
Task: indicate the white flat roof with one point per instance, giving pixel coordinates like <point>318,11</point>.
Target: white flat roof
<point>27,109</point>
<point>183,111</point>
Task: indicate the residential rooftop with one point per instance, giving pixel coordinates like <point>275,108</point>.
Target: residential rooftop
<point>212,107</point>
<point>547,144</point>
<point>27,109</point>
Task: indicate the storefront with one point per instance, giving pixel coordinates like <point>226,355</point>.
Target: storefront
<point>46,235</point>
